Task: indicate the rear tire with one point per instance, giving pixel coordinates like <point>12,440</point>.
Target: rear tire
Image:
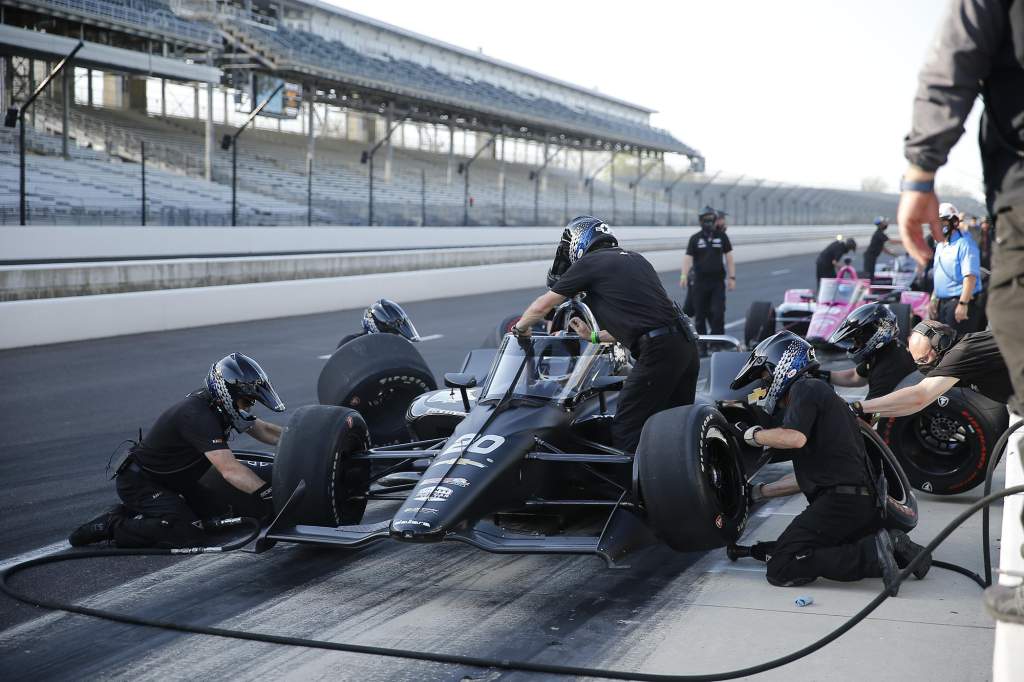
<point>691,478</point>
<point>317,447</point>
<point>945,447</point>
<point>760,323</point>
<point>379,375</point>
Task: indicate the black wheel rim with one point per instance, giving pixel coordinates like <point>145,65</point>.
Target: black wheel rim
<point>937,442</point>
<point>723,474</point>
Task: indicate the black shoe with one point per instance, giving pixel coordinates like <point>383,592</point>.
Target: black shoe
<point>905,550</point>
<point>887,561</point>
<point>1005,603</point>
<point>99,529</point>
<point>735,552</point>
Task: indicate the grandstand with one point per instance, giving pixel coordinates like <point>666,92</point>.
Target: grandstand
<point>459,136</point>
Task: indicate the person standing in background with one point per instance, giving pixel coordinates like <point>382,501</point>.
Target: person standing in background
<point>957,275</point>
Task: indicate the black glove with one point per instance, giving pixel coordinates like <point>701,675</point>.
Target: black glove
<point>265,497</point>
<point>858,409</point>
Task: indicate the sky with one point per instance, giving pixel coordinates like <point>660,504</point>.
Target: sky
<point>796,91</point>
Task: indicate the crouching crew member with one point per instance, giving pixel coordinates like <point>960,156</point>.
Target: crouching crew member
<point>870,335</point>
<point>709,254</point>
<point>839,535</point>
<point>947,359</point>
<point>626,296</point>
<point>163,501</point>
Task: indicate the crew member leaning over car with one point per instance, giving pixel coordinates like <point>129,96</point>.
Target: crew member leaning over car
<point>838,536</point>
<point>972,360</point>
<point>627,298</point>
<point>870,335</point>
<point>158,483</point>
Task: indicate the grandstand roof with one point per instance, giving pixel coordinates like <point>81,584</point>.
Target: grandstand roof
<point>479,56</point>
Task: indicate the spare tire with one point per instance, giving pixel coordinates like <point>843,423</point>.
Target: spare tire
<point>691,479</point>
<point>379,375</point>
<point>945,447</point>
<point>904,314</point>
<point>901,505</point>
<point>760,323</point>
<point>494,338</point>
<point>317,447</point>
<point>348,337</point>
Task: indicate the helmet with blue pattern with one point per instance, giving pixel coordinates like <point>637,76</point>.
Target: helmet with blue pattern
<point>586,232</point>
<point>776,363</point>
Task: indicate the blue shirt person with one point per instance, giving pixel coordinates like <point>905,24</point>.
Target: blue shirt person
<point>957,275</point>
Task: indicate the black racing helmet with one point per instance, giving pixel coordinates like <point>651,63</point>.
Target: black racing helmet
<point>239,376</point>
<point>785,357</point>
<point>586,232</point>
<point>865,331</point>
<point>387,317</point>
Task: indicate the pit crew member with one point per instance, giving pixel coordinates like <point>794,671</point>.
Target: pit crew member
<point>870,335</point>
<point>709,253</point>
<point>957,275</point>
<point>163,504</point>
<point>838,536</point>
<point>878,244</point>
<point>831,257</point>
<point>628,300</point>
<point>385,317</point>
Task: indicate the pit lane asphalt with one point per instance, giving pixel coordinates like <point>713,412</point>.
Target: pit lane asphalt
<point>64,407</point>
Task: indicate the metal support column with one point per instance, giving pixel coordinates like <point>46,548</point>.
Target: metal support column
<point>310,152</point>
<point>451,155</point>
<point>65,110</point>
<point>389,152</point>
<point>142,163</point>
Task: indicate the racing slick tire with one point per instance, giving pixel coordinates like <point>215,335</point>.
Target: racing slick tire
<point>945,447</point>
<point>317,447</point>
<point>379,375</point>
<point>904,315</point>
<point>348,337</point>
<point>691,478</point>
<point>760,323</point>
<point>901,504</point>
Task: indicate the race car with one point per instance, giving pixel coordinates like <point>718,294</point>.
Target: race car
<point>815,317</point>
<point>515,456</point>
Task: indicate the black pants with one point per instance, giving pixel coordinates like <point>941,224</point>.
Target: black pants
<point>709,305</point>
<point>823,270</point>
<point>869,265</point>
<point>159,517</point>
<point>833,538</point>
<point>947,315</point>
<point>664,376</point>
<point>1006,297</point>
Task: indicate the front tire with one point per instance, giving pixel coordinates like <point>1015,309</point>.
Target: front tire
<point>691,478</point>
<point>317,447</point>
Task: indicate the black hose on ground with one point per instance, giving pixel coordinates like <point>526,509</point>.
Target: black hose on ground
<point>456,659</point>
<point>997,455</point>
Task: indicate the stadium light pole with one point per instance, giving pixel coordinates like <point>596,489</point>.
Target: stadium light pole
<point>635,184</point>
<point>589,182</point>
<point>367,158</point>
<point>232,142</point>
<point>535,176</point>
<point>16,116</point>
<point>464,172</point>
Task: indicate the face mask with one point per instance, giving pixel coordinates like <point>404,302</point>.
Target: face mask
<point>707,226</point>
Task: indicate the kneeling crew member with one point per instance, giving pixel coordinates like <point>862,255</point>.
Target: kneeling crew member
<point>626,296</point>
<point>163,502</point>
<point>705,253</point>
<point>870,335</point>
<point>973,360</point>
<point>838,536</point>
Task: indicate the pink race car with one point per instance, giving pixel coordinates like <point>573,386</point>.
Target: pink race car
<point>816,317</point>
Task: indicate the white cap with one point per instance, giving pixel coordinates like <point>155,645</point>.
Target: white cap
<point>947,210</point>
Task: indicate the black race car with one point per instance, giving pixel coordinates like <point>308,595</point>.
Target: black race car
<point>514,456</point>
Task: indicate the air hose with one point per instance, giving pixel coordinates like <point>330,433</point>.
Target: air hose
<point>472,661</point>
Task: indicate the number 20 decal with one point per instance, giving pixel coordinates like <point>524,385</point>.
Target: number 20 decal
<point>484,445</point>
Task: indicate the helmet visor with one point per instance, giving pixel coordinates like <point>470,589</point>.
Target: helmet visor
<point>750,372</point>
